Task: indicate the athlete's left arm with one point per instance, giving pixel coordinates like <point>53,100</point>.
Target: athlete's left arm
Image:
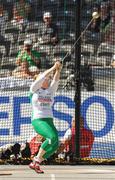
<point>55,81</point>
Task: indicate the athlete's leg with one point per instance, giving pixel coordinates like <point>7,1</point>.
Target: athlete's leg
<point>46,128</point>
<point>51,150</point>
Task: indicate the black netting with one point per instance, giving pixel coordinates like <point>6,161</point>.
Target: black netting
<point>97,89</point>
<point>23,25</point>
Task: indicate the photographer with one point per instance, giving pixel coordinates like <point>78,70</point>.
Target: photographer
<point>67,145</point>
<point>29,55</point>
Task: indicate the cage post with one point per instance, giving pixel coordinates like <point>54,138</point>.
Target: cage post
<point>77,78</point>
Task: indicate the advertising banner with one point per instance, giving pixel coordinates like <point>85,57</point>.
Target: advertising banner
<point>97,108</point>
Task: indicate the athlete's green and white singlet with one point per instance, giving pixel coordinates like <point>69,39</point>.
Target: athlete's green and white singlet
<point>42,99</point>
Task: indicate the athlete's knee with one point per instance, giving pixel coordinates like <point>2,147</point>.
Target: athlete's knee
<point>54,139</point>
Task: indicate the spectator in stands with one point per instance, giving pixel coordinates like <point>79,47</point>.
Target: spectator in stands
<point>48,33</point>
<point>25,151</point>
<point>3,20</point>
<point>86,140</point>
<point>10,151</point>
<point>21,12</point>
<point>23,71</point>
<point>29,55</point>
<point>35,144</point>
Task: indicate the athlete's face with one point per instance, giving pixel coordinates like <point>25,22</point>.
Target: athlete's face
<point>46,82</point>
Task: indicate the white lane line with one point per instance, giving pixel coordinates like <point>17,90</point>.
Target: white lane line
<point>52,176</point>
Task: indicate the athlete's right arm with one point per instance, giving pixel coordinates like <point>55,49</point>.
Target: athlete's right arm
<point>39,80</point>
<point>37,83</point>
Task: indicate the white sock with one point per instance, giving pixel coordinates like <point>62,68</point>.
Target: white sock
<point>38,159</point>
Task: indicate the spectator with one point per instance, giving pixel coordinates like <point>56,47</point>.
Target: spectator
<point>3,20</point>
<point>35,144</point>
<point>21,12</point>
<point>25,150</point>
<point>86,140</point>
<point>23,71</point>
<point>48,33</point>
<point>29,55</point>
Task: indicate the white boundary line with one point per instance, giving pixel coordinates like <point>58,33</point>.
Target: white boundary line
<point>52,176</point>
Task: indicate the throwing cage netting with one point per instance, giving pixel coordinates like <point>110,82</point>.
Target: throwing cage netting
<point>22,23</point>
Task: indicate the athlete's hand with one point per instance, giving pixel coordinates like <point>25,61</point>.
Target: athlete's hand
<point>58,65</point>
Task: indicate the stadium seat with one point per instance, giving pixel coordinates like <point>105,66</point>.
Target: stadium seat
<point>11,37</point>
<point>46,61</point>
<point>105,53</point>
<point>32,36</point>
<point>66,15</point>
<point>14,50</point>
<point>38,15</point>
<point>67,3</point>
<point>9,60</point>
<point>2,50</point>
<point>62,29</point>
<point>32,30</point>
<point>84,23</point>
<point>86,12</point>
<point>5,73</point>
<point>86,53</point>
<point>46,48</point>
<point>104,60</point>
<point>32,27</point>
<point>11,33</point>
<point>104,78</point>
<point>50,3</point>
<point>7,65</point>
<point>93,38</point>
<point>61,53</point>
<point>107,48</point>
<point>68,40</point>
<point>11,29</point>
<point>92,60</point>
<point>88,47</point>
<point>21,38</point>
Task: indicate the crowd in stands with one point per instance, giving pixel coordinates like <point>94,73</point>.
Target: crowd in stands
<point>50,26</point>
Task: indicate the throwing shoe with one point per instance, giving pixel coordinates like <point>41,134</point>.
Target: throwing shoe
<point>32,165</point>
<point>37,168</point>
